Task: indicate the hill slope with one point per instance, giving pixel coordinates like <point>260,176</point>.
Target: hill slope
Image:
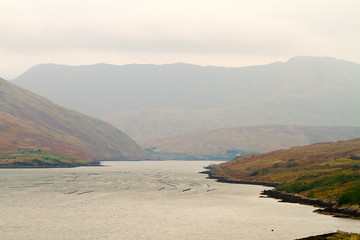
<point>248,139</point>
<point>324,170</point>
<point>28,121</point>
<point>150,101</point>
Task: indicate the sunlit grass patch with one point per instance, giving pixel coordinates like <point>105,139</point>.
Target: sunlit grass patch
<point>40,159</point>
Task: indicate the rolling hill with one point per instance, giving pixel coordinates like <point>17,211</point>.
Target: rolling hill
<point>28,121</point>
<point>328,171</point>
<point>227,142</point>
<point>152,101</point>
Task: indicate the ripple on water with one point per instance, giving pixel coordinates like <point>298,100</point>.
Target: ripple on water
<point>147,200</point>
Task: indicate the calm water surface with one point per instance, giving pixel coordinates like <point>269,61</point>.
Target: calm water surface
<point>147,200</point>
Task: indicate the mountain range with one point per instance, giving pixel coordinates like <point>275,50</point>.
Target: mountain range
<point>30,122</point>
<point>152,101</point>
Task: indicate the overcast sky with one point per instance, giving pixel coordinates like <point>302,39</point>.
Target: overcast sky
<point>206,32</point>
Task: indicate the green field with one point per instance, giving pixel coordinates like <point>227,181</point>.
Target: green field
<point>41,159</point>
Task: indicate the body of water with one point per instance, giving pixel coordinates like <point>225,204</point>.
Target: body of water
<point>147,200</point>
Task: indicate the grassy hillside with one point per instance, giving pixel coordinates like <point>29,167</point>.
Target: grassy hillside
<point>325,170</point>
<point>35,158</point>
<point>247,139</point>
<point>152,101</point>
<point>28,121</point>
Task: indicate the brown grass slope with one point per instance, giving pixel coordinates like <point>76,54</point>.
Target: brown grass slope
<point>30,121</point>
<point>290,164</point>
<point>256,139</point>
<point>323,174</point>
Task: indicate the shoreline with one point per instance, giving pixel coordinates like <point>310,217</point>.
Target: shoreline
<point>71,165</point>
<point>226,180</point>
<point>334,235</point>
<point>325,206</point>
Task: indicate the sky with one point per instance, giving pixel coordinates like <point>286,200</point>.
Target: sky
<point>231,33</point>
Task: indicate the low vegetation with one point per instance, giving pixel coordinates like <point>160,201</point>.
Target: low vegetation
<point>41,159</point>
<point>345,236</point>
<point>329,171</point>
<point>341,187</point>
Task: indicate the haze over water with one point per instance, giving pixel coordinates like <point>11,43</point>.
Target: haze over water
<point>147,200</point>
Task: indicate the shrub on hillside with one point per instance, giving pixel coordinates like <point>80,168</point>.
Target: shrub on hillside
<point>351,197</point>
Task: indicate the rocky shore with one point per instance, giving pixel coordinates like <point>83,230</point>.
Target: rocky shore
<point>333,236</point>
<point>325,206</point>
<point>40,164</point>
<point>227,180</point>
<point>318,237</point>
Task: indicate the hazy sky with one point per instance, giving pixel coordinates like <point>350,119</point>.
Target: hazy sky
<point>204,32</point>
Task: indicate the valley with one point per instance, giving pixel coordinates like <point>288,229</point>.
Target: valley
<point>189,120</point>
<point>264,135</point>
<point>149,101</point>
<point>227,143</point>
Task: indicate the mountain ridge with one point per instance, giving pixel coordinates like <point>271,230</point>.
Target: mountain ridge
<point>313,91</point>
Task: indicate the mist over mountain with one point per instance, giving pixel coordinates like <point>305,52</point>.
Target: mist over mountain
<point>151,101</point>
<point>28,121</point>
<point>227,141</point>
